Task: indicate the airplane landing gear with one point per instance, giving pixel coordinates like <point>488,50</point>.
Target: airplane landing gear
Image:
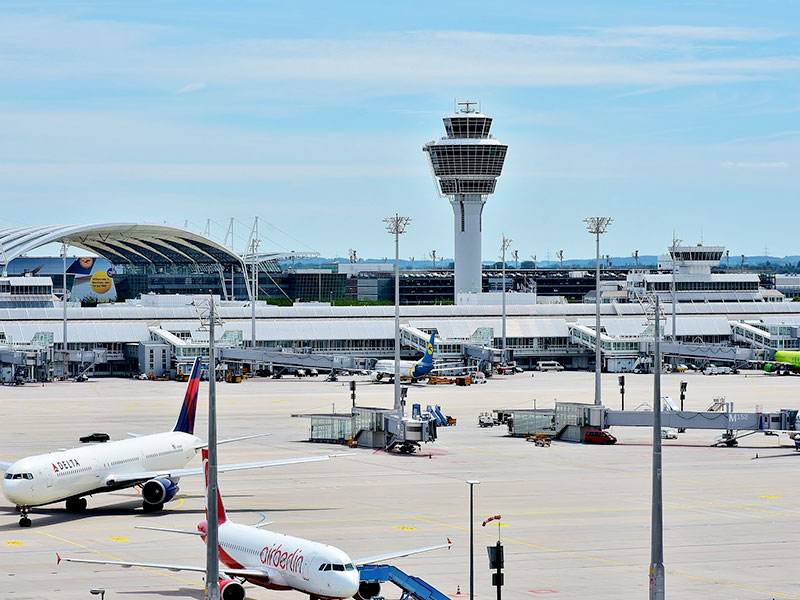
<point>76,504</point>
<point>24,521</point>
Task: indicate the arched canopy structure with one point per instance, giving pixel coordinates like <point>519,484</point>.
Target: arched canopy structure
<point>121,243</point>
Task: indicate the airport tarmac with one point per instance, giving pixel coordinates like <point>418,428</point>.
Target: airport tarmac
<point>575,518</point>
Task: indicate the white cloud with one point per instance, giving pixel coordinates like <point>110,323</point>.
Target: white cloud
<point>754,165</point>
<point>191,87</point>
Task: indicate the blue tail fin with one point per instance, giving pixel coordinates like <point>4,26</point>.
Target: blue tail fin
<point>186,417</point>
<point>428,358</point>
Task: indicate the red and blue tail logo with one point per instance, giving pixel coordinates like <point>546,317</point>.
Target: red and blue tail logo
<point>186,418</point>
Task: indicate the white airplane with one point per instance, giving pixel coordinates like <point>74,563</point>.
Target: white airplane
<point>154,462</point>
<point>275,560</point>
<point>408,369</point>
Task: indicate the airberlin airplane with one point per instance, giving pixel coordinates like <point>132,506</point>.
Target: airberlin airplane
<point>275,561</point>
<point>154,462</point>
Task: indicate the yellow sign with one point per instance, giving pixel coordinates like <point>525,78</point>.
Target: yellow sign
<point>100,282</point>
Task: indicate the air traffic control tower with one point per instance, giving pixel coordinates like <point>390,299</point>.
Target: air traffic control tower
<point>466,165</point>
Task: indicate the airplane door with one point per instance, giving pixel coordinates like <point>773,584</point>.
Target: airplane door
<point>96,468</point>
<point>48,476</point>
<point>308,565</point>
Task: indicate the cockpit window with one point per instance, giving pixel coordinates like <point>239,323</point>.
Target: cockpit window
<point>8,476</point>
<point>338,567</point>
<point>28,475</point>
<point>17,475</point>
<point>349,567</point>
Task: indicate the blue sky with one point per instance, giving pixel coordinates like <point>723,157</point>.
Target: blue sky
<point>312,115</point>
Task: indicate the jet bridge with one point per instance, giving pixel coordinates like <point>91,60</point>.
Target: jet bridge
<point>569,421</point>
<point>300,360</point>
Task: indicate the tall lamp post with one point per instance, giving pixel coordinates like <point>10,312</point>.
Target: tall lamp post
<point>212,539</point>
<point>503,247</point>
<point>597,226</point>
<point>471,483</point>
<point>675,242</point>
<point>657,516</point>
<point>65,356</point>
<point>396,225</point>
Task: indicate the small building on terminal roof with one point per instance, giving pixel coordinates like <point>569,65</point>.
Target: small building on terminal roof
<point>693,280</point>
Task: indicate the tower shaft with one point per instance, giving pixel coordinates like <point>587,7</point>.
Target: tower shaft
<point>467,210</point>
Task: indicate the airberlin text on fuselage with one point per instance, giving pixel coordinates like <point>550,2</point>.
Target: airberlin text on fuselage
<point>274,557</point>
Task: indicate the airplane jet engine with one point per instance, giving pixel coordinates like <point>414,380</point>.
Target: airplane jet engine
<point>367,590</point>
<point>157,491</point>
<point>231,590</point>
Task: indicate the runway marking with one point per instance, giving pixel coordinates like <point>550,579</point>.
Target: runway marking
<point>119,539</point>
<point>770,497</point>
<point>616,562</point>
<point>101,553</point>
<point>498,524</point>
<point>401,527</point>
<point>15,543</point>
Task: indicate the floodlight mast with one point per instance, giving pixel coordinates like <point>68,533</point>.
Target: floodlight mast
<point>597,226</point>
<point>396,225</point>
<point>503,247</point>
<point>675,243</point>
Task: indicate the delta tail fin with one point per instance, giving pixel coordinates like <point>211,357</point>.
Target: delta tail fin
<point>185,421</point>
<point>428,358</point>
<point>221,516</point>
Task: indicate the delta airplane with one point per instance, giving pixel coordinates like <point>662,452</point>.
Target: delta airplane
<point>155,462</point>
<point>274,560</point>
<point>410,369</point>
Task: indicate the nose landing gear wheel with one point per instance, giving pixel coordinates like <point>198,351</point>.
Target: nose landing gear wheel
<point>24,521</point>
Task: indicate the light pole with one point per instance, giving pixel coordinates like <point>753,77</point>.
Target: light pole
<point>471,483</point>
<point>657,523</point>
<point>675,242</point>
<point>397,225</point>
<point>98,592</point>
<point>65,356</point>
<point>503,247</point>
<point>212,550</point>
<point>597,226</point>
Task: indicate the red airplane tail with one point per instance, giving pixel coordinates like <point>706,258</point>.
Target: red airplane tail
<point>221,516</point>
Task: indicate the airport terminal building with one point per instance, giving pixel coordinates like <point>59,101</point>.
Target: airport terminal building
<point>160,333</point>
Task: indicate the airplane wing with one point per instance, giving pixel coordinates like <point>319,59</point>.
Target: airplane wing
<point>233,439</point>
<point>384,557</point>
<point>128,565</point>
<point>4,464</point>
<point>170,530</point>
<point>176,473</point>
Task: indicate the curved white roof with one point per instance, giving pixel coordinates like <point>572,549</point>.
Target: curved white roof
<point>120,243</point>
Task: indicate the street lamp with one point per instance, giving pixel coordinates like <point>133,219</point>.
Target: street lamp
<point>597,226</point>
<point>397,225</point>
<point>503,247</point>
<point>657,506</point>
<point>471,483</point>
<point>65,356</point>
